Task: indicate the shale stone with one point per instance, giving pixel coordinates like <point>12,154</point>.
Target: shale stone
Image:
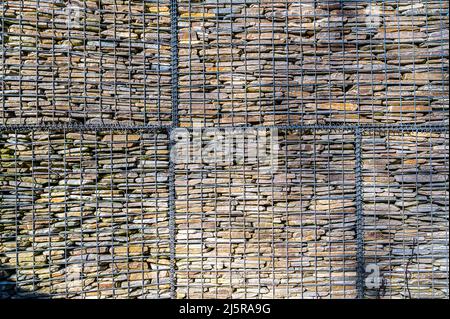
<point>312,62</point>
<point>246,233</point>
<point>406,212</point>
<point>82,216</point>
<point>85,62</point>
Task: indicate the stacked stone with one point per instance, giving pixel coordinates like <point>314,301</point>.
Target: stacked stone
<point>290,62</point>
<point>84,214</point>
<point>405,185</point>
<point>247,232</point>
<point>85,62</point>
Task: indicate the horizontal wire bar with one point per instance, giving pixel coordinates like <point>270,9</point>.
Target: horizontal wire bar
<point>124,127</point>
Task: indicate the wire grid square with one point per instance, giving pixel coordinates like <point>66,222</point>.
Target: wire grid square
<point>405,186</point>
<point>312,62</point>
<point>84,214</point>
<point>88,62</point>
<point>243,233</point>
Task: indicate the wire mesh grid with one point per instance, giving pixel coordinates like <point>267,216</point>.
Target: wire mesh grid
<point>312,62</point>
<point>93,204</point>
<point>86,62</point>
<point>245,232</point>
<point>405,186</point>
<point>85,214</point>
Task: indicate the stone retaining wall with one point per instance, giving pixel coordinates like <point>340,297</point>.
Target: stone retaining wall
<point>405,186</point>
<point>243,232</point>
<point>312,62</point>
<point>85,213</point>
<point>82,62</point>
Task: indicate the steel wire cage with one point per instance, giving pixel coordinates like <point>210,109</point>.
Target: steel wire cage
<point>224,149</point>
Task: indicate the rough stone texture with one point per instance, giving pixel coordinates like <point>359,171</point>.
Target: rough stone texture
<point>84,215</point>
<point>246,233</point>
<point>405,186</point>
<point>104,63</point>
<point>290,62</point>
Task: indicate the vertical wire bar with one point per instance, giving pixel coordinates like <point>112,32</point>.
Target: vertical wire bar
<point>359,216</point>
<point>34,218</point>
<point>16,211</point>
<point>3,64</point>
<point>216,284</point>
<point>260,63</point>
<point>96,161</point>
<point>245,53</point>
<point>174,95</point>
<point>141,194</point>
<point>344,215</point>
<point>158,54</point>
<point>444,68</point>
<point>231,90</point>
<point>127,211</point>
<point>244,207</point>
<point>85,63</point>
<point>315,71</point>
<point>301,210</point>
<point>302,106</point>
<point>37,65</point>
<point>64,159</point>
<point>201,216</point>
<point>416,157</point>
<point>371,59</point>
<point>144,68</point>
<point>316,244</point>
<point>174,59</point>
<point>258,179</point>
<point>391,221</point>
<point>287,60</point>
<point>20,60</point>
<point>402,216</point>
<point>157,228</point>
<point>83,244</point>
<point>446,210</point>
<point>327,173</point>
<point>190,50</point>
<point>101,93</point>
<point>221,108</point>
<point>111,206</point>
<point>289,185</point>
<point>129,71</point>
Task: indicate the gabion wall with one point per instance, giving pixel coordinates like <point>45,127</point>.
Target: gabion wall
<point>85,214</point>
<point>93,204</point>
